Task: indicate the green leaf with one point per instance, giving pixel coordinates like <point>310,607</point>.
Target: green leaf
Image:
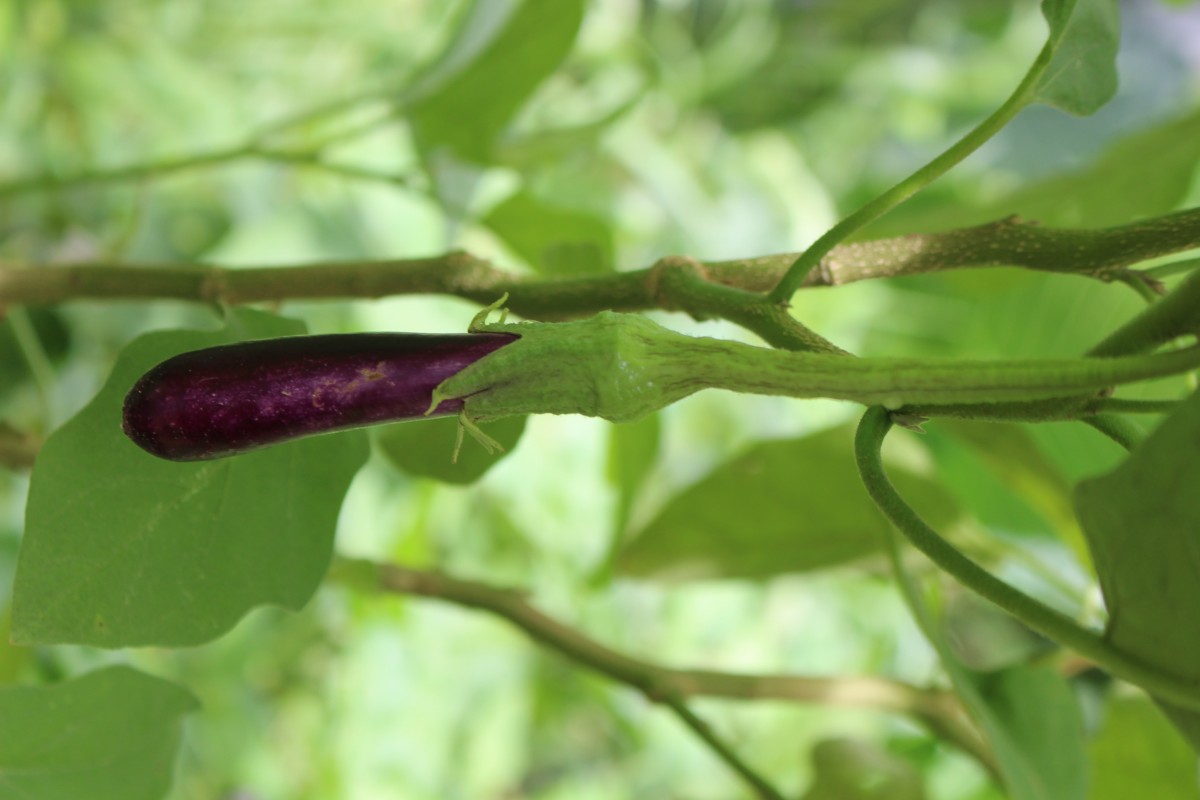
<point>732,523</point>
<point>1032,719</point>
<point>1025,479</point>
<point>1138,754</point>
<point>109,735</point>
<point>552,238</point>
<point>425,448</point>
<point>489,71</point>
<point>122,548</point>
<point>845,769</point>
<point>1082,73</point>
<point>1142,522</point>
<point>1140,175</point>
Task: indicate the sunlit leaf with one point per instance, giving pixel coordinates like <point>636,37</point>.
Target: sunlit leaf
<point>122,548</point>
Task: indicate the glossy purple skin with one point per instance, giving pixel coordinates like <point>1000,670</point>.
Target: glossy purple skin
<point>229,399</point>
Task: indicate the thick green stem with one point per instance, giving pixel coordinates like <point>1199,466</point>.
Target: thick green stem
<point>871,432</point>
<point>622,366</point>
<point>897,383</point>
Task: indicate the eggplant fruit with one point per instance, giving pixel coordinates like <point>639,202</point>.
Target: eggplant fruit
<point>225,400</point>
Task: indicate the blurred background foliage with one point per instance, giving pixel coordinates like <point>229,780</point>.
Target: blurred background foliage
<point>565,138</point>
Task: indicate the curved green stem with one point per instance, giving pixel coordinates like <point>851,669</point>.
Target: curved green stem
<point>906,188</point>
<point>873,428</point>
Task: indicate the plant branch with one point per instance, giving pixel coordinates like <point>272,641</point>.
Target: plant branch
<point>133,172</point>
<point>1099,254</point>
<point>938,710</point>
<point>1056,626</point>
<point>253,147</point>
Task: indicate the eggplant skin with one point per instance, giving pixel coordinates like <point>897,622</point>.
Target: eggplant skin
<point>226,400</point>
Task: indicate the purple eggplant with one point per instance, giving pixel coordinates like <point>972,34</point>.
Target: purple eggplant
<point>226,400</point>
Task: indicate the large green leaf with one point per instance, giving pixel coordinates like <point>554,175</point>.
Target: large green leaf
<point>489,71</point>
<point>782,506</point>
<point>122,548</point>
<point>426,448</point>
<point>1142,522</point>
<point>109,735</point>
<point>1084,37</point>
<point>1137,754</point>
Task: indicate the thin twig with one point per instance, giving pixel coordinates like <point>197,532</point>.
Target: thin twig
<point>938,710</point>
<point>723,751</point>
